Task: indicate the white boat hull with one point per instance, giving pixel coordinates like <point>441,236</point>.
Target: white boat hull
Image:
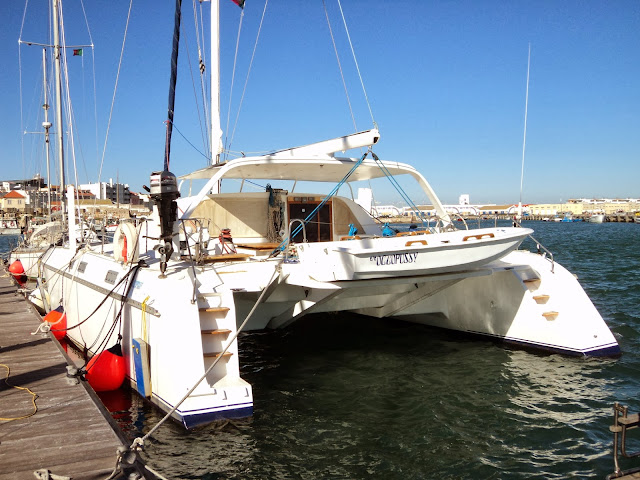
<point>186,320</point>
<point>171,326</point>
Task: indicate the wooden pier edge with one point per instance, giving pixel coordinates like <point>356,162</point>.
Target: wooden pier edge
<point>71,434</point>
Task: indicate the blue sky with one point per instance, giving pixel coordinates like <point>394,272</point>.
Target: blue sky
<point>446,81</point>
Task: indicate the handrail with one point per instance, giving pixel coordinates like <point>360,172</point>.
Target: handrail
<point>466,227</point>
<point>540,246</point>
<point>304,230</point>
<point>290,252</point>
<point>193,262</point>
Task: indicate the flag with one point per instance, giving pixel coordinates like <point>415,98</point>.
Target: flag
<point>240,3</point>
<point>77,52</point>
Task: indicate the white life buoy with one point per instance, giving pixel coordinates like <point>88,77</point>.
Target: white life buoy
<point>125,243</point>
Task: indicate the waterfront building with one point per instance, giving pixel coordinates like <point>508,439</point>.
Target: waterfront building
<point>13,201</point>
<point>116,192</point>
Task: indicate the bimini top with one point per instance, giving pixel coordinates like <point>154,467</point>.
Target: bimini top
<point>315,162</point>
<point>311,163</point>
<point>312,169</point>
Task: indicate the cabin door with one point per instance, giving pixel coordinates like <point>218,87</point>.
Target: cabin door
<point>318,227</point>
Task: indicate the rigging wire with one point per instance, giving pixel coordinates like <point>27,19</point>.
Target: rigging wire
<point>253,54</point>
<point>115,88</point>
<point>67,95</point>
<point>204,85</point>
<point>187,140</point>
<point>233,77</point>
<point>93,65</point>
<point>24,14</point>
<point>335,189</point>
<point>193,84</point>
<point>344,84</point>
<point>344,21</point>
<point>399,189</point>
<point>139,442</point>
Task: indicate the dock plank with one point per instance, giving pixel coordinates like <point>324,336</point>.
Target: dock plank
<point>70,434</point>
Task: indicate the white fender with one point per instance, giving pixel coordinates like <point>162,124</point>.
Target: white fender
<point>125,243</point>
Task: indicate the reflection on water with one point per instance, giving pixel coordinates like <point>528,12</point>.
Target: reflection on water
<point>398,400</point>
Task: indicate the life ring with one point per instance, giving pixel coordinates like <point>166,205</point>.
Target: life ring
<point>125,245</point>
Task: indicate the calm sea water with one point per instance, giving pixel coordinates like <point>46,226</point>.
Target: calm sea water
<point>347,397</point>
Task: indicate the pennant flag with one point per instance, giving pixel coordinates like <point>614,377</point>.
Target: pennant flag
<point>77,52</point>
<point>240,3</point>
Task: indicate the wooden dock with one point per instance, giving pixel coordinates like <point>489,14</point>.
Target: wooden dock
<point>70,434</point>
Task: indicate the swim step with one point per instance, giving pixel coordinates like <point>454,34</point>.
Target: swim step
<point>218,331</point>
<point>214,309</point>
<point>550,315</point>
<point>217,354</point>
<point>541,298</point>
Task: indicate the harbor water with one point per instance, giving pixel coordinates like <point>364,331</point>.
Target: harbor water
<point>348,397</point>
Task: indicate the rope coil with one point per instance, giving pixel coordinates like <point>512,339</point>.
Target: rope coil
<point>33,397</point>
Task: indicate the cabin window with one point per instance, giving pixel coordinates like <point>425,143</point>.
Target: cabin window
<point>82,267</point>
<point>111,277</point>
<point>318,227</point>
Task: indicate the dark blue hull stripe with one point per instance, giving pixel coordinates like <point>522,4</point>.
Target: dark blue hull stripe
<point>605,350</point>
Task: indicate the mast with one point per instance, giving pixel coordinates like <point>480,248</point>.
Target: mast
<point>164,187</point>
<point>216,131</point>
<point>57,51</point>
<point>172,83</point>
<point>46,124</point>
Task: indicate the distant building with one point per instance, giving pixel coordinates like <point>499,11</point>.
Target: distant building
<point>116,192</point>
<point>85,195</point>
<point>465,208</point>
<point>135,199</point>
<point>386,211</point>
<point>12,201</point>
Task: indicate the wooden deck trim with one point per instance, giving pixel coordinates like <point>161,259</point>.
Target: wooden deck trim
<point>230,257</point>
<point>258,246</point>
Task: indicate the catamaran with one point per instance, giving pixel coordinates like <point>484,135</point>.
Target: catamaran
<point>175,290</point>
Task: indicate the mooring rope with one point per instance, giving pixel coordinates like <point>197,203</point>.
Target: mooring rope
<point>33,397</point>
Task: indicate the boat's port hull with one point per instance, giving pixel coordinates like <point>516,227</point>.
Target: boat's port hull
<point>99,308</point>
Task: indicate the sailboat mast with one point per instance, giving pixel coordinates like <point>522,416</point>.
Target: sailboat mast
<point>172,83</point>
<point>57,52</point>
<point>46,124</point>
<point>216,131</point>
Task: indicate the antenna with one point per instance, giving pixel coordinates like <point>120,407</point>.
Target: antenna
<point>524,140</point>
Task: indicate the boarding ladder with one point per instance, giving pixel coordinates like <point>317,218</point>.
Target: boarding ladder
<point>623,421</point>
<point>217,325</point>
